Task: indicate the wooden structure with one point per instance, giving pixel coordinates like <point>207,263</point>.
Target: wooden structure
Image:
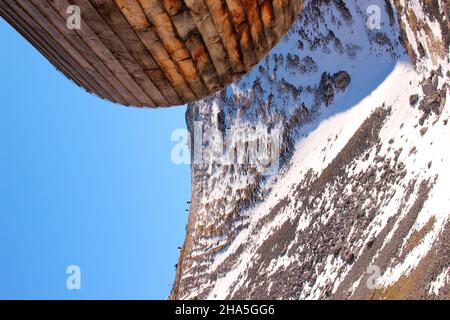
<point>153,53</point>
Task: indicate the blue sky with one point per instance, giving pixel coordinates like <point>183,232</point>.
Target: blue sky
<point>83,182</point>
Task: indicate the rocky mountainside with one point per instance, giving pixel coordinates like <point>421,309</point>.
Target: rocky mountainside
<point>323,173</point>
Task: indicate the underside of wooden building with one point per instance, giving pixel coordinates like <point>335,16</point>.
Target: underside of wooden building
<point>152,53</point>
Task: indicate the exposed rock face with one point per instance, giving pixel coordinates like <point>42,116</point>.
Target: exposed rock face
<point>434,100</point>
<point>359,205</point>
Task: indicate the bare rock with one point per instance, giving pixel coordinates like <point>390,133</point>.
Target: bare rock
<point>429,86</point>
<point>413,99</point>
<point>341,80</point>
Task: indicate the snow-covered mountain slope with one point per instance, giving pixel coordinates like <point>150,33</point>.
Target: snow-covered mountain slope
<point>358,206</point>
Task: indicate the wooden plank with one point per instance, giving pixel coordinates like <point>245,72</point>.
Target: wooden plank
<point>172,84</point>
<point>135,57</point>
<point>268,19</point>
<point>97,53</point>
<point>174,7</point>
<point>48,32</point>
<point>239,18</point>
<point>167,65</point>
<point>175,47</point>
<point>211,38</point>
<point>256,27</point>
<point>160,79</point>
<point>87,44</point>
<point>28,32</point>
<point>222,21</point>
<point>59,23</point>
<point>189,33</point>
<point>100,38</point>
<point>237,11</point>
<point>280,8</point>
<point>163,27</point>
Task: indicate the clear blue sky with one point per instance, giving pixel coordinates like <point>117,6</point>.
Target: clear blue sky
<point>83,182</point>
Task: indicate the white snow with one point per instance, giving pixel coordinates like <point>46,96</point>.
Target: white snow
<point>441,280</point>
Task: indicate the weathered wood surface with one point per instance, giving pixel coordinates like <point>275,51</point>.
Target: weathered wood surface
<point>153,53</point>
